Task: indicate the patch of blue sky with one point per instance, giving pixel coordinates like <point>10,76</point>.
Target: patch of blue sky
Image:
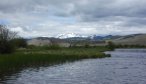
<point>4,22</point>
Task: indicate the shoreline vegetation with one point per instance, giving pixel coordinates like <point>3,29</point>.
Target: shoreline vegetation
<point>42,56</point>
<point>48,55</point>
<point>15,51</point>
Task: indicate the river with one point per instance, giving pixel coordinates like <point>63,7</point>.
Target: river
<point>125,66</point>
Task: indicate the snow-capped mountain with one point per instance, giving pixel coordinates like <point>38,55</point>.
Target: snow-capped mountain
<point>98,37</point>
<point>69,35</point>
<point>92,37</point>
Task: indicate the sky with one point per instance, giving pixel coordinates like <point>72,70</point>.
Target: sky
<point>49,18</point>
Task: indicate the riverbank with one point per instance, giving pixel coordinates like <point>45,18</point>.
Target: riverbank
<point>35,57</point>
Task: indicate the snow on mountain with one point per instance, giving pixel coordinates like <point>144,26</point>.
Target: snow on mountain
<point>68,35</point>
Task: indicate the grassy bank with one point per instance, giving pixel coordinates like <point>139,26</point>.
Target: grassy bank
<point>41,56</point>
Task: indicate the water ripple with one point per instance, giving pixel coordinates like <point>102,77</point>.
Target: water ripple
<point>122,68</point>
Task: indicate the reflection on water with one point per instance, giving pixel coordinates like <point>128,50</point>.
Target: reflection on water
<point>124,67</point>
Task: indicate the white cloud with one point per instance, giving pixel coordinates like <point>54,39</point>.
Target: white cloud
<point>33,18</point>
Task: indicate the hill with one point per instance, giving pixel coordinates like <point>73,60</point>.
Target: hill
<point>134,39</point>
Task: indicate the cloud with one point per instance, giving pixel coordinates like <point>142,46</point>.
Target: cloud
<point>33,18</point>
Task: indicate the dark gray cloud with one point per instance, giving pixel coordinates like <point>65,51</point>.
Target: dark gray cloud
<point>77,16</point>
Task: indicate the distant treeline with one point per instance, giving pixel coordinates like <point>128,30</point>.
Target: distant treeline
<point>130,46</point>
<point>112,46</point>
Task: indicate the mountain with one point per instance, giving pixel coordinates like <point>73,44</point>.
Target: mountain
<point>39,41</point>
<point>101,38</point>
<point>73,36</point>
<point>43,41</point>
<point>133,39</point>
<point>68,35</point>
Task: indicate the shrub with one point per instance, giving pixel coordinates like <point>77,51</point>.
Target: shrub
<point>19,42</point>
<point>6,46</point>
<point>111,45</point>
<point>53,46</point>
<point>86,45</point>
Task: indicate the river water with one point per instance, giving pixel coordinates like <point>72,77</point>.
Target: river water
<point>126,66</point>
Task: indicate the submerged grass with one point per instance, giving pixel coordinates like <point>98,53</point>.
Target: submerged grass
<point>34,57</point>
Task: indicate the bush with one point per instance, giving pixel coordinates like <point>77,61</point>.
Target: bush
<point>53,46</point>
<point>19,42</point>
<point>86,45</point>
<point>31,46</point>
<point>111,45</point>
<point>6,46</point>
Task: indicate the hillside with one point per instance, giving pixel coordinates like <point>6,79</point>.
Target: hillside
<point>134,39</point>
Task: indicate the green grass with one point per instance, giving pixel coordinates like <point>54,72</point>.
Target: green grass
<point>40,56</point>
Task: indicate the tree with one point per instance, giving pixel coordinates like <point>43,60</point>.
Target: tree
<point>111,45</point>
<point>19,42</point>
<point>5,40</point>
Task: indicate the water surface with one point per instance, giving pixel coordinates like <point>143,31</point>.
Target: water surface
<point>126,66</point>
